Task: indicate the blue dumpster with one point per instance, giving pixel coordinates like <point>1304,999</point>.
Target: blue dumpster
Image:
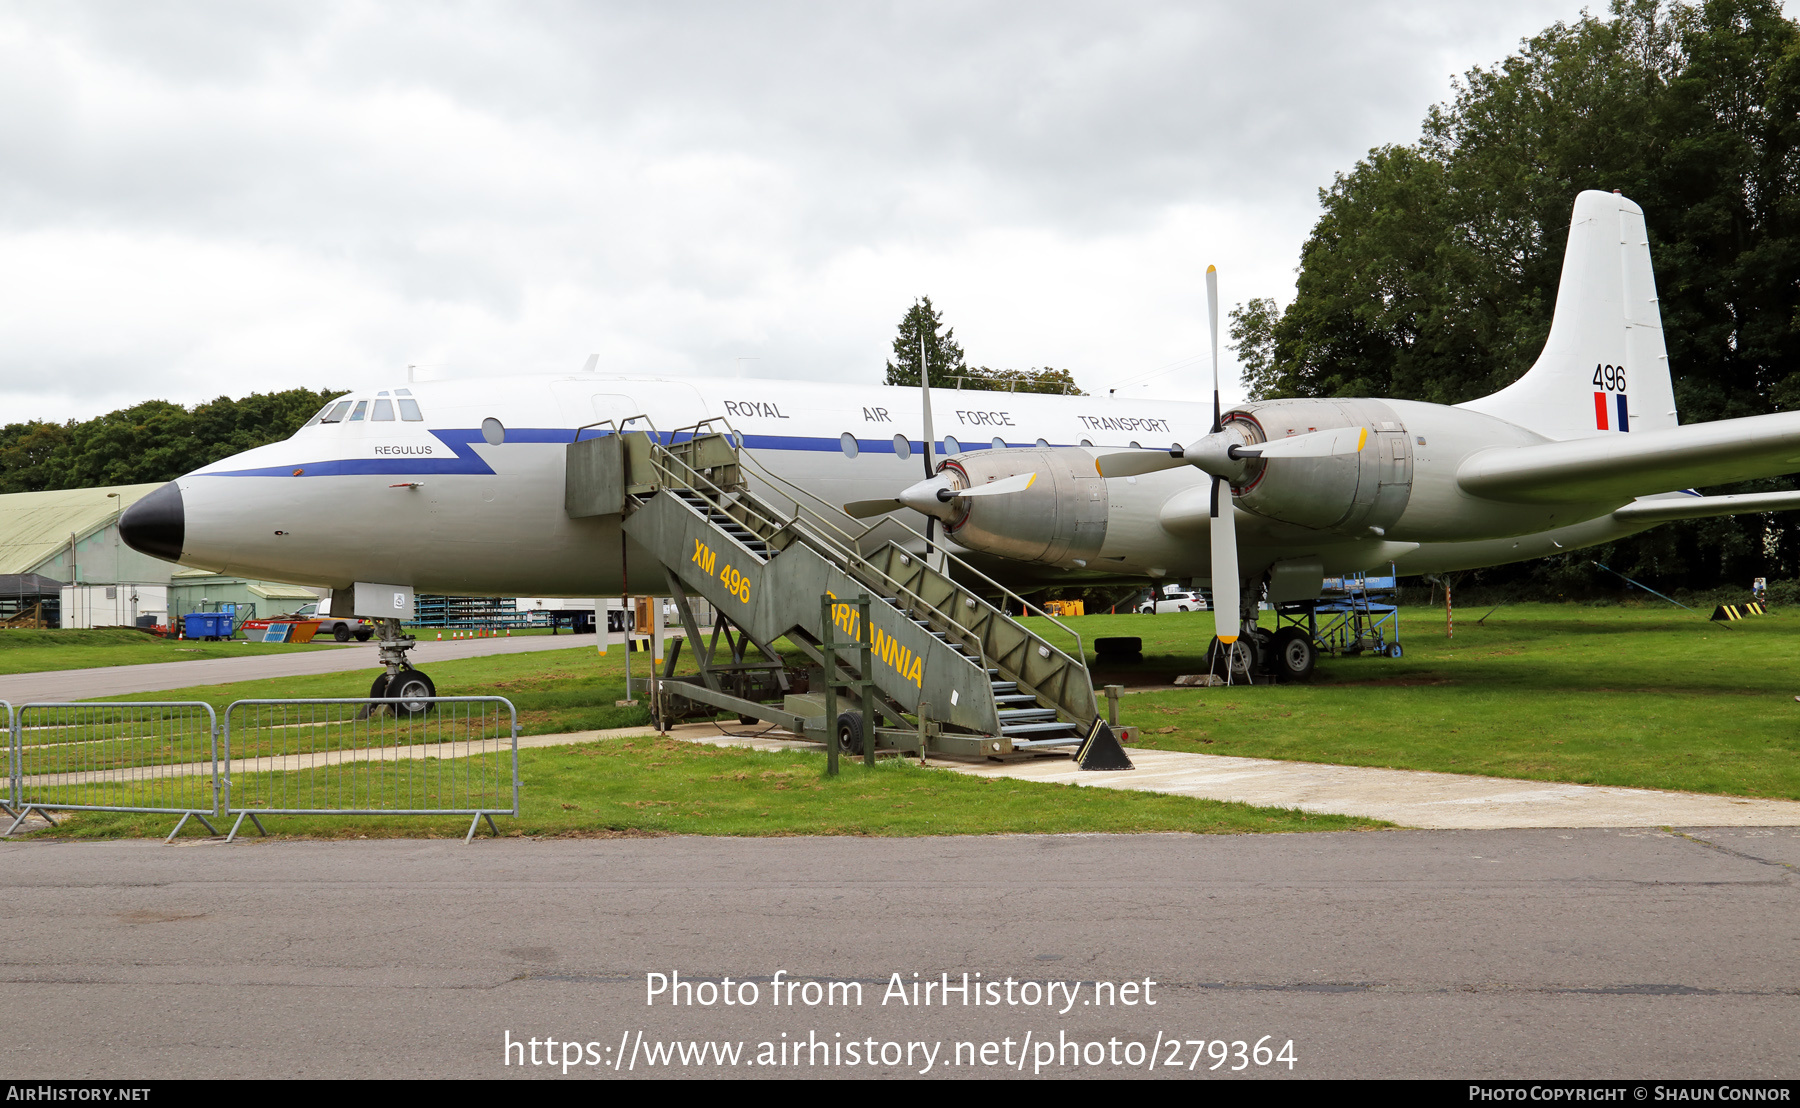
<point>206,625</point>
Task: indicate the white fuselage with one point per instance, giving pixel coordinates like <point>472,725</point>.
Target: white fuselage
<point>433,504</point>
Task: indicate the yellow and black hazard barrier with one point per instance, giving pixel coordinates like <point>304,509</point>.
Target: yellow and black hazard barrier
<point>1738,611</point>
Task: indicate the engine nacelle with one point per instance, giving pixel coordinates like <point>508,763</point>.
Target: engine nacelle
<point>1061,518</point>
<point>1352,494</point>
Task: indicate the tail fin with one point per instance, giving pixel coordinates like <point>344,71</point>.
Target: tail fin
<point>1604,368</point>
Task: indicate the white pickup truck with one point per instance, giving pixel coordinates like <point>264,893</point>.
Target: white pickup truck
<point>340,629</point>
<point>1174,599</point>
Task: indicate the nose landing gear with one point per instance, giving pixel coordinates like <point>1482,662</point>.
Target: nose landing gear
<point>409,690</point>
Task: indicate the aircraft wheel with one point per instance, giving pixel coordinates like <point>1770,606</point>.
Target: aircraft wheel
<point>411,687</point>
<point>850,732</point>
<point>1242,656</point>
<point>341,633</point>
<point>1295,655</point>
<point>748,720</point>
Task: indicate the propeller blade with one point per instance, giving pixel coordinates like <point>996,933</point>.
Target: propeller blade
<point>1016,483</point>
<point>1226,621</point>
<point>930,434</point>
<point>1212,321</point>
<point>863,509</point>
<point>1130,463</point>
<point>1316,444</point>
<point>925,392</point>
<point>1223,530</point>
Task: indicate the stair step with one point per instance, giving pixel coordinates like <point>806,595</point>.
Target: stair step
<point>1026,715</point>
<point>1042,730</point>
<point>1004,686</point>
<point>1014,699</point>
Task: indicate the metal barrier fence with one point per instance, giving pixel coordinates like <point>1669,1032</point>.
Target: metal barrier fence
<point>449,755</point>
<point>11,804</point>
<point>147,756</point>
<point>445,755</point>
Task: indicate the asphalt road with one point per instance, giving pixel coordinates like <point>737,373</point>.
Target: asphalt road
<point>80,684</point>
<point>1598,953</point>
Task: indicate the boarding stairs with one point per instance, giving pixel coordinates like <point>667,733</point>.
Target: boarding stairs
<point>976,681</point>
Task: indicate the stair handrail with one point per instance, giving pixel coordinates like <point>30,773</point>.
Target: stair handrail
<point>848,542</point>
<point>847,549</point>
<point>962,563</point>
<point>792,488</point>
<point>849,556</point>
<point>670,464</point>
<point>788,486</point>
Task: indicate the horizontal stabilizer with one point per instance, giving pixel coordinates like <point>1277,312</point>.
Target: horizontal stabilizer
<point>1617,467</point>
<point>1664,509</point>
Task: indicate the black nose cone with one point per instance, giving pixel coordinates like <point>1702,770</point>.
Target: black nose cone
<point>156,525</point>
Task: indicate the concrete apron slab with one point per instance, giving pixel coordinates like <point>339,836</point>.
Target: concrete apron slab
<point>1411,798</point>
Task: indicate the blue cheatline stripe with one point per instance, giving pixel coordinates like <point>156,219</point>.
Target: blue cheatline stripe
<point>1624,418</point>
<point>461,443</point>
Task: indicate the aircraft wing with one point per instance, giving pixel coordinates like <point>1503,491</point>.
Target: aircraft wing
<point>1620,466</point>
<point>1664,509</point>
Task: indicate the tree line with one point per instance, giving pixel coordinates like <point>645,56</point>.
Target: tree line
<point>1432,271</point>
<point>153,441</point>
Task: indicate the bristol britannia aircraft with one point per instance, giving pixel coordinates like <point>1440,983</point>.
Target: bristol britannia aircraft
<point>457,487</point>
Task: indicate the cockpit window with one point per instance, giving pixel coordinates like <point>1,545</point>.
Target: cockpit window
<point>361,407</point>
<point>409,408</point>
<point>337,413</point>
<point>384,411</point>
<point>321,414</point>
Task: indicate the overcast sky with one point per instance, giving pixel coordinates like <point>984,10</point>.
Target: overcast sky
<point>198,199</point>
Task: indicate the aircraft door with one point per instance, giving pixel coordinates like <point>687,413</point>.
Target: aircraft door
<point>616,406</point>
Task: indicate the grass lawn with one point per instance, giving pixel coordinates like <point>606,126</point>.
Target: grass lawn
<point>39,651</point>
<point>554,690</point>
<point>652,786</point>
<point>1652,697</point>
<point>1638,696</point>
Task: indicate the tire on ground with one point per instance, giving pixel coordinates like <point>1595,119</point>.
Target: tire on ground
<point>1122,648</point>
<point>850,732</point>
<point>1295,656</point>
<point>408,684</point>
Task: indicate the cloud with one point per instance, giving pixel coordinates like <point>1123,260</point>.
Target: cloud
<point>207,198</point>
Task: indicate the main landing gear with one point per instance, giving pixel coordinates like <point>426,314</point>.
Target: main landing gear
<point>1259,656</point>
